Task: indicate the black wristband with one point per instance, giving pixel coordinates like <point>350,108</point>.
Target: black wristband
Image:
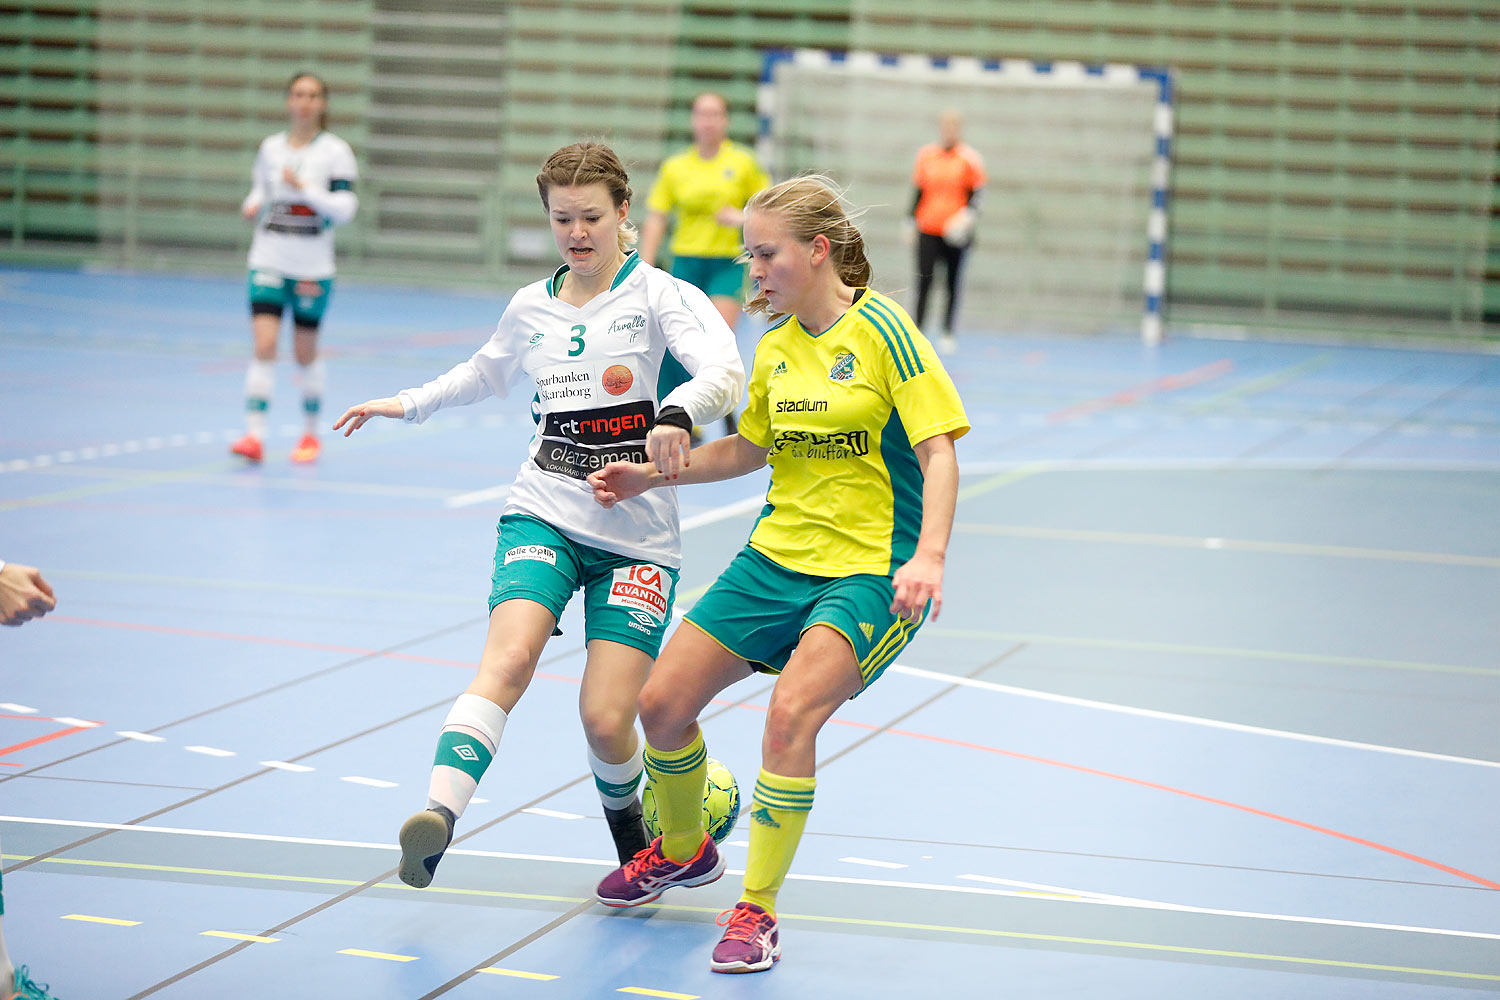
<point>674,416</point>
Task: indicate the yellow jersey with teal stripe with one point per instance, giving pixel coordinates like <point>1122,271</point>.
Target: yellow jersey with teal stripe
<point>840,412</point>
<point>695,189</point>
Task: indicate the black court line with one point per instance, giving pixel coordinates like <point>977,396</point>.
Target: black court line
<point>383,876</point>
<point>589,903</point>
<point>220,788</point>
<point>252,696</point>
<point>1390,428</point>
<point>504,953</point>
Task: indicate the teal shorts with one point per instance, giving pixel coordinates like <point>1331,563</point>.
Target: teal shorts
<point>270,293</point>
<point>715,275</point>
<point>758,610</point>
<point>624,600</point>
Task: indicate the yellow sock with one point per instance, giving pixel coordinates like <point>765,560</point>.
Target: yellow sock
<point>777,817</point>
<point>681,778</point>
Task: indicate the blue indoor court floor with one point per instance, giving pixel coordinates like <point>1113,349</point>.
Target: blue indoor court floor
<point>1212,708</point>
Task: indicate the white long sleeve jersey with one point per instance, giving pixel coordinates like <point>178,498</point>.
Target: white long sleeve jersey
<point>598,371</point>
<point>294,228</point>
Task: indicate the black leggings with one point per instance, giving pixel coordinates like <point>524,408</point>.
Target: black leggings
<point>929,249</point>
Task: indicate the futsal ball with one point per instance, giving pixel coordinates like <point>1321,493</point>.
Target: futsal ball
<point>721,803</point>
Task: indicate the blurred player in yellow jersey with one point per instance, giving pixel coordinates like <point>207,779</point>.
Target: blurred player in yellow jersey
<point>705,188</point>
<point>851,407</point>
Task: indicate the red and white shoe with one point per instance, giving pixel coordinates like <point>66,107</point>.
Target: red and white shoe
<point>307,450</point>
<point>249,446</point>
<point>750,943</point>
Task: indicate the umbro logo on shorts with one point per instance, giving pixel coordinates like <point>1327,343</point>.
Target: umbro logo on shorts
<point>466,752</point>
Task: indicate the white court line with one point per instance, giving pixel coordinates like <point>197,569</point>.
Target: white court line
<point>131,734</point>
<point>11,706</point>
<point>1105,899</point>
<point>210,751</point>
<point>355,779</point>
<point>477,496</point>
<point>723,513</point>
<point>1192,720</point>
<point>282,765</point>
<point>552,813</point>
<point>1036,893</point>
<point>68,720</point>
<point>1226,463</point>
<point>871,863</point>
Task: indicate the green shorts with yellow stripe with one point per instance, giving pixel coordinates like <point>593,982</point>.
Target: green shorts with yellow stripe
<point>758,611</point>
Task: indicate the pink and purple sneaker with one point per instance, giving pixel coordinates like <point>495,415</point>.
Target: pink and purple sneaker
<point>750,943</point>
<point>650,873</point>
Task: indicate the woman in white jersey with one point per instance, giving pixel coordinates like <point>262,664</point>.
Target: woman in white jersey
<point>302,186</point>
<point>594,338</point>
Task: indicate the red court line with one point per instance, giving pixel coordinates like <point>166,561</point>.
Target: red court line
<point>28,744</point>
<point>1405,855</point>
<point>1135,393</point>
<point>1141,782</point>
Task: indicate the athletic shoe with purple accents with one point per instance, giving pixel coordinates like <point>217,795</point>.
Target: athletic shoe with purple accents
<point>650,873</point>
<point>750,943</point>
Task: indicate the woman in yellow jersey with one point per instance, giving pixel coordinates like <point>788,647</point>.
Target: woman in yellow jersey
<point>705,187</point>
<point>856,416</point>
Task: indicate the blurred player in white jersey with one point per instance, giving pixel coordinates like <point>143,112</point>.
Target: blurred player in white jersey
<point>598,339</point>
<point>302,186</point>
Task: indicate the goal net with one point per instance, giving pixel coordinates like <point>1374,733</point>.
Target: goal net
<point>1072,225</point>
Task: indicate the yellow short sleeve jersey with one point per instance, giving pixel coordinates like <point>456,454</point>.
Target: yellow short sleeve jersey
<point>695,189</point>
<point>841,412</point>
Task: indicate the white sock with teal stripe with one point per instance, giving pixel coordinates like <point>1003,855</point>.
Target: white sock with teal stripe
<point>467,744</point>
<point>313,377</point>
<point>617,783</point>
<point>260,381</point>
<point>7,973</point>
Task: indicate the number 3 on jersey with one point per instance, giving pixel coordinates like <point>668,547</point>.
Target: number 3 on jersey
<point>578,332</point>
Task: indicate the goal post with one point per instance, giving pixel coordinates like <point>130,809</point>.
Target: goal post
<point>1072,228</point>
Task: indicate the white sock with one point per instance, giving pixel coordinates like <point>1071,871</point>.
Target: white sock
<point>313,376</point>
<point>617,783</point>
<point>467,744</point>
<point>260,381</point>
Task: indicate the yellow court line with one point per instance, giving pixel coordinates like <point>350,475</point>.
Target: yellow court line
<point>383,955</point>
<point>847,921</point>
<point>657,993</point>
<point>1263,383</point>
<point>517,973</point>
<point>102,920</point>
<point>1003,479</point>
<point>239,937</point>
<point>1147,946</point>
<point>114,486</point>
<point>1230,544</point>
<point>1176,647</point>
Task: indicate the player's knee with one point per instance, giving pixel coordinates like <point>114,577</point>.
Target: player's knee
<point>506,665</point>
<point>661,712</point>
<point>607,725</point>
<point>790,722</point>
